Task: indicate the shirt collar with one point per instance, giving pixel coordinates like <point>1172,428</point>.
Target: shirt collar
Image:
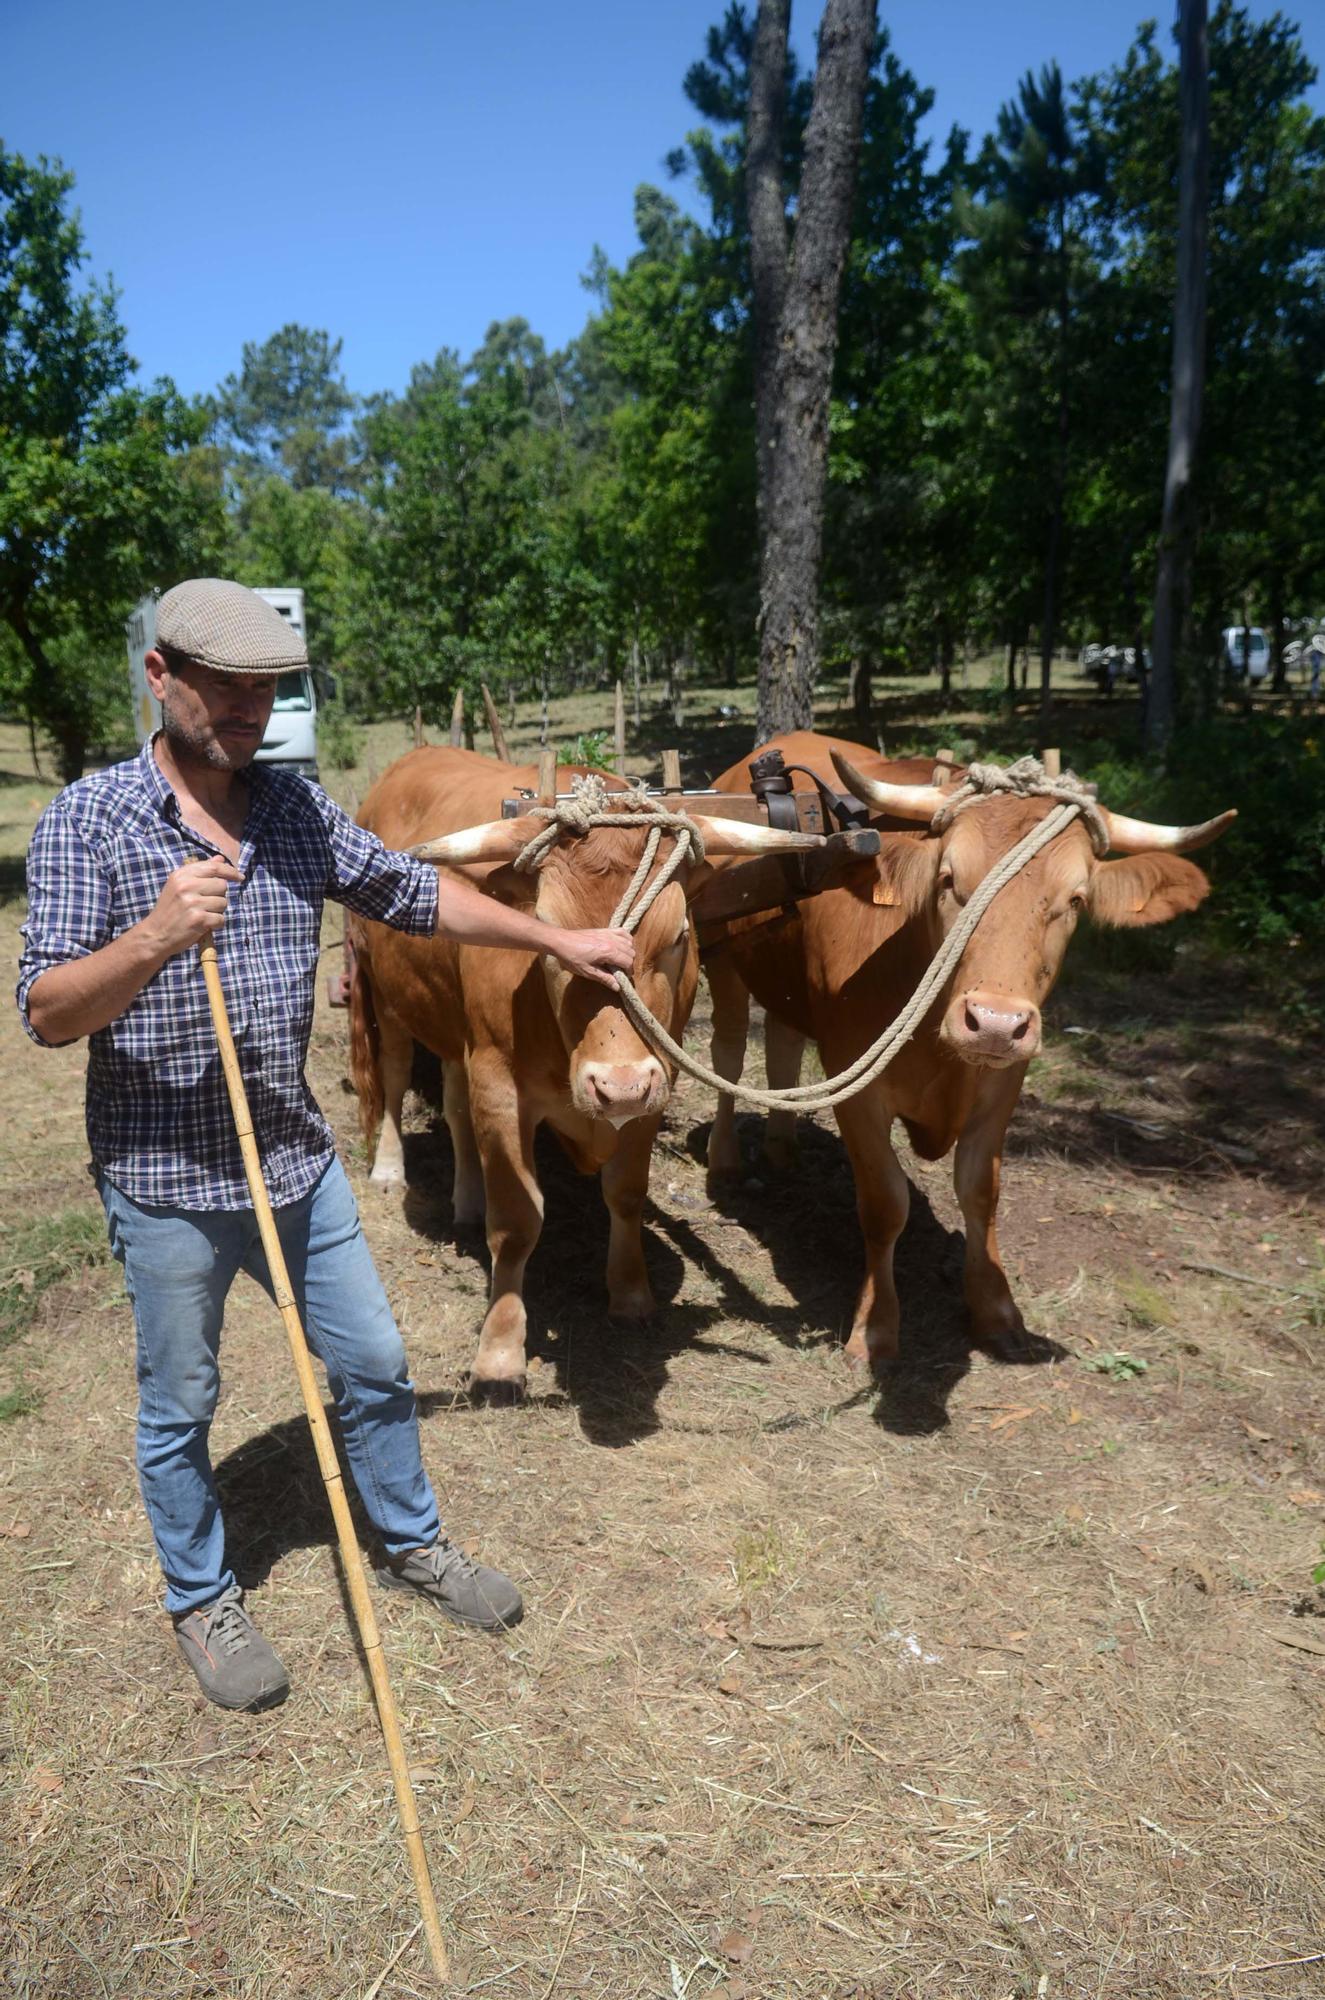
<point>161,793</point>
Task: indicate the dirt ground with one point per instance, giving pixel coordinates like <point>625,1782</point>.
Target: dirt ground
<point>986,1681</point>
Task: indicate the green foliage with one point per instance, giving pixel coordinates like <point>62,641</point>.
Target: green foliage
<point>1318,1573</point>
<point>339,739</point>
<point>1119,1367</point>
<point>19,1402</point>
<point>593,748</point>
<point>45,1250</point>
<point>98,500</point>
<point>286,410</point>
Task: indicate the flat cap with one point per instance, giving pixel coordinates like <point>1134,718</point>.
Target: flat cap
<point>228,626</point>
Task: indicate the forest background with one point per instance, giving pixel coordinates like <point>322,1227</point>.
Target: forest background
<point>539,519</point>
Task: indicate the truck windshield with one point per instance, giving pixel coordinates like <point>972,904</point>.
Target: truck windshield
<point>293,691</point>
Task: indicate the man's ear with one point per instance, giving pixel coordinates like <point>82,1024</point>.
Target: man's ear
<point>1145,889</point>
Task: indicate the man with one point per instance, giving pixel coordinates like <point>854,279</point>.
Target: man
<point>128,870</point>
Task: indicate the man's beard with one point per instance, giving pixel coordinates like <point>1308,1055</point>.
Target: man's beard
<point>201,742</point>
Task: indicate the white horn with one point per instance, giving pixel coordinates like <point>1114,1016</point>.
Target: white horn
<point>919,802</point>
<point>497,840</point>
<point>738,836</point>
<point>1142,836</point>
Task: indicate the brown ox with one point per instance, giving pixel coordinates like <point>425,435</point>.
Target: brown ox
<point>844,966</point>
<point>520,1040</point>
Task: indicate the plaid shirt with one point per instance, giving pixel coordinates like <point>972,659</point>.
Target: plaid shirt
<point>158,1116</point>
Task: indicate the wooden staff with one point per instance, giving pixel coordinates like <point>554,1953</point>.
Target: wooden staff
<point>369,1636</point>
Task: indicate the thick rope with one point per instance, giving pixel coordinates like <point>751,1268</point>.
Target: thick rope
<point>587,807</point>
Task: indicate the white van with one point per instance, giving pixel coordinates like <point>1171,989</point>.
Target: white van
<point>291,738</point>
<point>1247,644</point>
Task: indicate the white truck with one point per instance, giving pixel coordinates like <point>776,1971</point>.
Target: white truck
<point>291,738</point>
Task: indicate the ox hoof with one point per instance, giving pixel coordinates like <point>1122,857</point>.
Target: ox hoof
<point>498,1390</point>
<point>870,1354</point>
<point>1015,1343</point>
<point>632,1305</point>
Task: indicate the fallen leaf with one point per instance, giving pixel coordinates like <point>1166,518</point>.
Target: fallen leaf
<point>1262,1437</point>
<point>466,1805</point>
<point>1306,1496</point>
<point>1044,1730</point>
<point>729,1685</point>
<point>1074,1415</point>
<point>737,1946</point>
<point>1074,1511</point>
<point>1016,1416</point>
<point>17,1531</point>
<point>46,1780</point>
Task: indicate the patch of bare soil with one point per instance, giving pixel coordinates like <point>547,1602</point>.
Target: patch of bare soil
<point>984,1681</point>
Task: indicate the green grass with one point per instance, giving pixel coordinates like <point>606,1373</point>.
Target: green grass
<point>41,1251</point>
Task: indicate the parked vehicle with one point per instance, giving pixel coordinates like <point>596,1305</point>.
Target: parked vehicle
<point>291,738</point>
<point>1247,652</point>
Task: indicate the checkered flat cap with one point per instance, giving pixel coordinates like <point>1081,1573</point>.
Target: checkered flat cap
<point>228,626</point>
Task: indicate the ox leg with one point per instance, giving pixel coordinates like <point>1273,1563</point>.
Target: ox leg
<point>883,1197</point>
<point>625,1186</point>
<point>783,1049</point>
<point>504,1134</point>
<point>996,1320</point>
<point>731,1027</point>
<point>396,1057</point>
<point>467,1202</point>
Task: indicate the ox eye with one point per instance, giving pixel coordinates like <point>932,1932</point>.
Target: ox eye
<point>1076,902</point>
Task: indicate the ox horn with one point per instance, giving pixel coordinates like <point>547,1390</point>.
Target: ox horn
<point>919,802</point>
<point>738,836</point>
<point>496,840</point>
<point>1143,836</point>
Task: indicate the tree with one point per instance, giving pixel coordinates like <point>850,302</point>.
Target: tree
<point>1178,527</point>
<point>795,309</point>
<point>287,409</point>
<point>98,498</point>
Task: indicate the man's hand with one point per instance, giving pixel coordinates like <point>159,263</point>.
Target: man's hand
<point>192,905</point>
<point>596,955</point>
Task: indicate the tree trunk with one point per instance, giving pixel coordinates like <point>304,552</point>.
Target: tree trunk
<point>795,307</point>
<point>68,730</point>
<point>1277,623</point>
<point>1013,643</point>
<point>862,696</point>
<point>1177,540</point>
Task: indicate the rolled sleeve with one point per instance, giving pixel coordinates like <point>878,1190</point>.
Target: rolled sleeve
<point>376,881</point>
<point>69,905</point>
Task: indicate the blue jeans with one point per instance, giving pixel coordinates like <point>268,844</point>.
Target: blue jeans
<point>179,1265</point>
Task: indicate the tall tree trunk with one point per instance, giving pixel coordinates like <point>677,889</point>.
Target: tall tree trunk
<point>796,332</point>
<point>1053,555</point>
<point>1177,539</point>
<point>68,728</point>
<point>862,696</point>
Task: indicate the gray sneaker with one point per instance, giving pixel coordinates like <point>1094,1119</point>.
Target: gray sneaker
<point>459,1587</point>
<point>235,1665</point>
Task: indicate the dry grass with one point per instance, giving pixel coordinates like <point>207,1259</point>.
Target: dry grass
<point>981,1684</point>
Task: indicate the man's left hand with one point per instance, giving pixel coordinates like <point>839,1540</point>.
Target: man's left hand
<point>596,955</point>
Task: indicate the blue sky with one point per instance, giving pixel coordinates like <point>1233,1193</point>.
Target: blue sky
<point>403,173</point>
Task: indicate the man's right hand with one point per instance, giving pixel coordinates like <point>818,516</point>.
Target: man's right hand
<point>192,904</point>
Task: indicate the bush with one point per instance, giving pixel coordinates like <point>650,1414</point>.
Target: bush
<point>339,739</point>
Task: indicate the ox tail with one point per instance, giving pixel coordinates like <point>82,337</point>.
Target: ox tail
<point>365,1036</point>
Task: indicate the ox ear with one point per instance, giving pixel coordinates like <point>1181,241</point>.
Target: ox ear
<point>902,879</point>
<point>516,887</point>
<point>1145,889</point>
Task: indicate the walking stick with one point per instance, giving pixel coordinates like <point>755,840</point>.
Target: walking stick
<point>365,1618</point>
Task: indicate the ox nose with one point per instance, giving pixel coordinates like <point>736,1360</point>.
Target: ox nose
<point>619,1092</point>
<point>989,1027</point>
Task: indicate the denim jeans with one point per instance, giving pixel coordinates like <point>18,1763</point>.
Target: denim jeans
<point>179,1265</point>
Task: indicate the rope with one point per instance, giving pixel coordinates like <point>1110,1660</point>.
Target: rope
<point>587,807</point>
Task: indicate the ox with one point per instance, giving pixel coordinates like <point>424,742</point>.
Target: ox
<point>845,964</point>
<point>521,1041</point>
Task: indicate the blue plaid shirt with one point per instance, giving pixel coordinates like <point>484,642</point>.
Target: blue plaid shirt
<point>158,1116</point>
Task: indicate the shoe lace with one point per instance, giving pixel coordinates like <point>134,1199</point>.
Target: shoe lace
<point>230,1626</point>
<point>445,1558</point>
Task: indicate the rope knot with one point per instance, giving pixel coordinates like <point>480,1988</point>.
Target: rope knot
<point>591,804</point>
<point>1026,779</point>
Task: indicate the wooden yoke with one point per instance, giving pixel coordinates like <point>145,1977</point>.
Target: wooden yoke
<point>777,881</point>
